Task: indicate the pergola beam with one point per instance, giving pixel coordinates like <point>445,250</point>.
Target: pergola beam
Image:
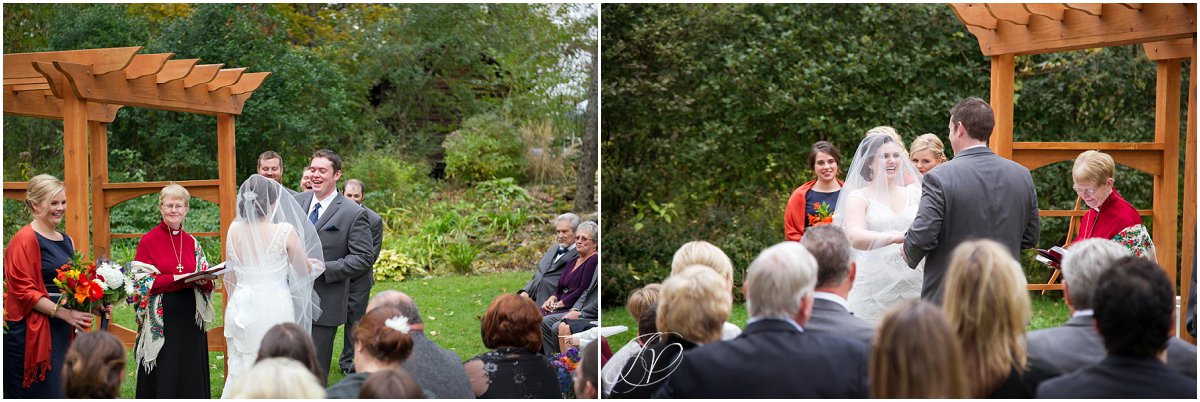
<point>1079,26</point>
<point>43,104</point>
<point>146,92</point>
<point>1183,48</point>
<point>20,65</point>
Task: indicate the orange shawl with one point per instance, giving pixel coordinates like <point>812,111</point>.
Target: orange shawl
<point>23,287</point>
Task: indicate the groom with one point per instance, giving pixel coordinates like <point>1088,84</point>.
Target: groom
<point>346,242</point>
<point>976,195</point>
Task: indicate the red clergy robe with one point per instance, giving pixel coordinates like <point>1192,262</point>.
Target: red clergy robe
<point>1115,215</point>
<point>164,251</point>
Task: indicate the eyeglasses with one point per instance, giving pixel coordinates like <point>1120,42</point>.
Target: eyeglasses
<point>582,238</point>
<point>1084,191</point>
<point>171,207</point>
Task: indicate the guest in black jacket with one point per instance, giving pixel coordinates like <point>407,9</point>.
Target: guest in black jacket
<point>774,357</point>
<point>1135,309</point>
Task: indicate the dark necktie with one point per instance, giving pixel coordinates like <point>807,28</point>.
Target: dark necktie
<point>312,216</point>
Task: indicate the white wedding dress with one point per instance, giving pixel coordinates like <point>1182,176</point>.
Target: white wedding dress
<point>883,277</point>
<point>259,300</point>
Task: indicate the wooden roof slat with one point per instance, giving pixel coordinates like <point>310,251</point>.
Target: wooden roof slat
<point>1132,6</point>
<point>1013,13</point>
<point>1093,9</point>
<point>1116,26</point>
<point>201,74</point>
<point>43,104</point>
<point>226,77</point>
<point>1170,49</point>
<point>175,70</point>
<point>248,83</point>
<point>27,87</point>
<point>29,80</point>
<point>975,15</point>
<point>20,65</point>
<point>146,64</point>
<point>147,92</point>
<point>54,77</point>
<point>1051,11</point>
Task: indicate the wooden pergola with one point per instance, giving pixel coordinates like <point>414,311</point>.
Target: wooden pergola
<point>85,89</point>
<point>1167,33</point>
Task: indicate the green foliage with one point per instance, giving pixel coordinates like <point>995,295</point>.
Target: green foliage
<point>501,192</point>
<point>460,254</point>
<point>390,181</point>
<point>395,266</point>
<point>486,147</point>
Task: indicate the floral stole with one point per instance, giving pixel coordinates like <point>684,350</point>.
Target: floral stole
<point>1137,239</point>
<point>148,310</point>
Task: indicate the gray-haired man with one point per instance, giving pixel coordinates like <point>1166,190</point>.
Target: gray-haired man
<point>550,267</point>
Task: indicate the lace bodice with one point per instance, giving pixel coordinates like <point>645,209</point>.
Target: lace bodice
<point>881,218</point>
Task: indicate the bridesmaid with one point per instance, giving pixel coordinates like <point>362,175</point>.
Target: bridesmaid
<point>823,160</point>
<point>172,347</point>
<point>927,152</point>
<point>38,331</point>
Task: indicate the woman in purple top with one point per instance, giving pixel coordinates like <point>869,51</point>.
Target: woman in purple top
<point>580,271</point>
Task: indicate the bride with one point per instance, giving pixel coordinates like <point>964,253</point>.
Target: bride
<point>274,257</point>
<point>879,202</point>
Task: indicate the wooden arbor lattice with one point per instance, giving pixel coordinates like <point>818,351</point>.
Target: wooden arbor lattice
<point>85,88</point>
<point>1167,33</point>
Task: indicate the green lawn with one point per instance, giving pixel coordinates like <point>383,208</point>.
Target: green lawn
<point>450,306</point>
<point>1048,311</point>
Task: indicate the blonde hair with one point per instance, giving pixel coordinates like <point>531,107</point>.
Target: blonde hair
<point>277,378</point>
<point>987,306</point>
<point>914,354</point>
<point>888,131</point>
<point>42,188</point>
<point>930,142</point>
<point>174,190</point>
<point>700,252</point>
<point>1093,167</point>
<point>694,304</point>
<point>778,279</point>
<point>642,298</point>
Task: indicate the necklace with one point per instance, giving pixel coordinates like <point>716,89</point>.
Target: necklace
<point>178,254</point>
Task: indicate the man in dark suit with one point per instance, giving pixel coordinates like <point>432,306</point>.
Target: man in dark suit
<point>346,242</point>
<point>360,286</point>
<point>437,370</point>
<point>1076,344</point>
<point>1135,311</point>
<point>774,357</point>
<point>976,195</point>
<point>550,267</point>
<point>835,275</point>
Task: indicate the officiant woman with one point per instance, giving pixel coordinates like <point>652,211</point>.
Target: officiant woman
<point>171,350</point>
<point>800,213</point>
<point>38,331</point>
<point>1109,216</point>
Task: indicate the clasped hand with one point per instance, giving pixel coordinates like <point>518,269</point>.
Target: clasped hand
<point>552,304</point>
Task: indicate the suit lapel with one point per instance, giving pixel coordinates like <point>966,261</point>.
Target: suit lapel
<point>328,214</point>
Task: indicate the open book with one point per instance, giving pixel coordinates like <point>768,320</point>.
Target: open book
<point>209,274</point>
<point>1052,257</point>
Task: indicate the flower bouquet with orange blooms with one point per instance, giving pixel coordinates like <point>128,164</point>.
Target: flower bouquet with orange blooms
<point>823,215</point>
<point>77,281</point>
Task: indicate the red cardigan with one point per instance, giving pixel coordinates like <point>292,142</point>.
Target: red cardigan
<point>23,287</point>
<point>793,215</point>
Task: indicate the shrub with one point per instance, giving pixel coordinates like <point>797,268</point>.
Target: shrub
<point>501,192</point>
<point>391,181</point>
<point>486,147</point>
<point>460,254</point>
<point>546,161</point>
<point>395,266</point>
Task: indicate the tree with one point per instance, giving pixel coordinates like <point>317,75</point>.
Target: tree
<point>585,190</point>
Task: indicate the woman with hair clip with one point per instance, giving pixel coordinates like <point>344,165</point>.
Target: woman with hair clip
<point>381,341</point>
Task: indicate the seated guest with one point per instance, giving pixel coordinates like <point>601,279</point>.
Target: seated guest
<point>1075,344</point>
<point>576,300</point>
<point>835,275</point>
<point>915,354</point>
<point>586,374</point>
<point>276,378</point>
<point>987,306</point>
<point>390,383</point>
<point>1109,216</point>
<point>381,340</point>
<point>550,267</point>
<point>774,357</point>
<point>700,252</point>
<point>1135,311</point>
<point>639,301</point>
<point>94,367</point>
<point>512,369</point>
<point>434,368</point>
<point>691,309</point>
<point>290,340</point>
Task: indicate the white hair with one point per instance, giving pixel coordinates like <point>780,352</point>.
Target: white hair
<point>1084,263</point>
<point>778,279</point>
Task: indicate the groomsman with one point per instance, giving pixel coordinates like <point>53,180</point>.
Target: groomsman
<point>360,286</point>
<point>346,241</point>
<point>270,165</point>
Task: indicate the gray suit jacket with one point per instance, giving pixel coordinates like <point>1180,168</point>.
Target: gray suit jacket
<point>361,285</point>
<point>976,195</point>
<point>545,278</point>
<point>1076,345</point>
<point>438,370</point>
<point>346,242</point>
<point>828,317</point>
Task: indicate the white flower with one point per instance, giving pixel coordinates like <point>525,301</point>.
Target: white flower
<point>113,278</point>
<point>101,283</point>
<point>129,289</point>
<point>399,323</point>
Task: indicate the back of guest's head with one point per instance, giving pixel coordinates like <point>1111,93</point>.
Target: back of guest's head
<point>290,340</point>
<point>931,143</point>
<point>1135,307</point>
<point>512,321</point>
<point>93,367</point>
<point>830,246</point>
<point>648,323</point>
<point>276,378</point>
<point>778,279</point>
<point>694,304</point>
<point>588,379</point>
<point>391,383</point>
<point>1086,261</point>
<point>642,298</point>
<point>915,354</point>
<point>383,334</point>
<point>41,188</point>
<point>826,148</point>
<point>976,115</point>
<point>700,252</point>
<point>987,306</point>
<point>398,300</point>
<point>1093,167</point>
<point>888,131</point>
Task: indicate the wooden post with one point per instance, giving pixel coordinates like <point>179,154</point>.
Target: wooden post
<point>226,170</point>
<point>98,135</point>
<point>1166,186</point>
<point>1189,204</point>
<point>75,168</point>
<point>1001,95</point>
